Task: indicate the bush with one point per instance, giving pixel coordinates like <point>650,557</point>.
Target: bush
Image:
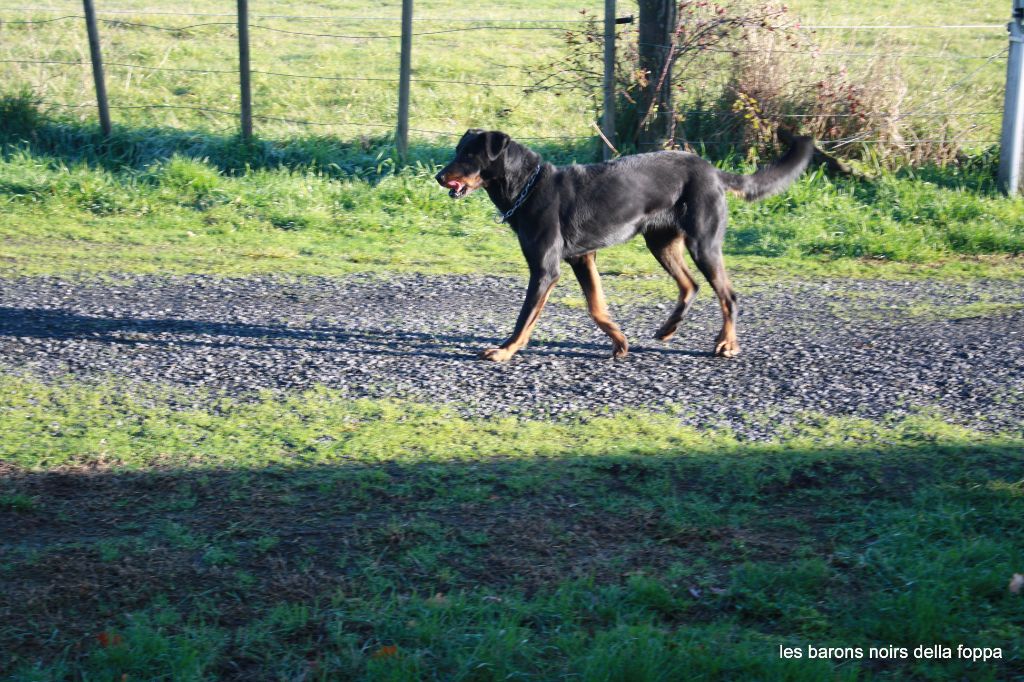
<point>744,69</point>
<point>20,116</point>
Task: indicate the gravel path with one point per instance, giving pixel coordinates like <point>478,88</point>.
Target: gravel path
<point>838,346</point>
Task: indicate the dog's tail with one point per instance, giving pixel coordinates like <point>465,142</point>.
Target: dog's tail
<point>775,177</point>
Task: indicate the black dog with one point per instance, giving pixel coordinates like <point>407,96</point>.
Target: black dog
<point>672,198</point>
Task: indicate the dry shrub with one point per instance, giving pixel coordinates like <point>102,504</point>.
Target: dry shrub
<point>855,111</point>
<point>743,68</point>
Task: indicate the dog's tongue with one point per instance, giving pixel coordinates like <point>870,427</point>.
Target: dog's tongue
<point>454,188</point>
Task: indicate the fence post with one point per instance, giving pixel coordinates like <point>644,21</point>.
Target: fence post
<point>405,66</point>
<point>243,71</point>
<point>608,119</point>
<point>97,66</point>
<point>1011,144</point>
<point>655,39</point>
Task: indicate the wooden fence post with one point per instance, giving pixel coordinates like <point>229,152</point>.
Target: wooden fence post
<point>405,66</point>
<point>608,118</point>
<point>97,66</point>
<point>655,38</point>
<point>243,70</point>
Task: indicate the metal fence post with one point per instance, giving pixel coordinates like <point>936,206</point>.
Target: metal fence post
<point>405,66</point>
<point>1011,144</point>
<point>97,66</point>
<point>608,118</point>
<point>243,71</point>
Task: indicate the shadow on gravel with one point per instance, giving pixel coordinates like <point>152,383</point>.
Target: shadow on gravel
<point>82,547</point>
<point>58,324</point>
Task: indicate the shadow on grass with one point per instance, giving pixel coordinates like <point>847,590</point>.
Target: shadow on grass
<point>275,567</point>
<point>24,125</point>
<point>369,156</point>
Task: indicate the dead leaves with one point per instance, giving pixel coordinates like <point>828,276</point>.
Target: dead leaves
<point>109,639</point>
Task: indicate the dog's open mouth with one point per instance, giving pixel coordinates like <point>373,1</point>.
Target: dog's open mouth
<point>457,189</point>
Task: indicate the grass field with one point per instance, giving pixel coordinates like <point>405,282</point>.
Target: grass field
<point>319,538</point>
<point>357,109</point>
<point>157,534</point>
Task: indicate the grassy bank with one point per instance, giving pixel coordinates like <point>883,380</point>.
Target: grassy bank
<point>89,214</point>
<point>148,534</point>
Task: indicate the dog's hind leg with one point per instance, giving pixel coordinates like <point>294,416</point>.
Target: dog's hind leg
<point>667,247</point>
<point>585,268</point>
<point>704,226</point>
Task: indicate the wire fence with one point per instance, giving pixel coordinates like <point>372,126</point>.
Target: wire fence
<point>26,22</point>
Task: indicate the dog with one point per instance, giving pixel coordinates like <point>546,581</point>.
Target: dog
<point>672,198</point>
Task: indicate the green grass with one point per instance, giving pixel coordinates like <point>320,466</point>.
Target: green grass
<point>380,540</point>
<point>186,215</point>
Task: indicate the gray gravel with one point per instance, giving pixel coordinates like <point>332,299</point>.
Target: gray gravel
<point>833,346</point>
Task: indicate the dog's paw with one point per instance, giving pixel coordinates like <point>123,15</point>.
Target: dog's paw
<point>620,350</point>
<point>727,349</point>
<point>496,354</point>
<point>666,331</point>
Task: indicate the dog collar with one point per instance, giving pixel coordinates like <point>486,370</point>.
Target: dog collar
<point>525,192</point>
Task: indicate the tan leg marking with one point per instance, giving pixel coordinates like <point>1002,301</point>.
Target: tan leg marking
<point>520,337</point>
<point>586,272</point>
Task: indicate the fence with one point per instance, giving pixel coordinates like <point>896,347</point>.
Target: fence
<point>411,33</point>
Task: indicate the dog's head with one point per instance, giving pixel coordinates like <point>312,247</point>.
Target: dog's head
<point>478,159</point>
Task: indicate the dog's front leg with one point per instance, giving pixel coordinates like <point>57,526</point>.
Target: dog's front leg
<point>542,281</point>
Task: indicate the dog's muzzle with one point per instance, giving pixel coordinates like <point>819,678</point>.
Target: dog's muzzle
<point>456,188</point>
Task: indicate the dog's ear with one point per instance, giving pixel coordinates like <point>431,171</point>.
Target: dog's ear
<point>467,136</point>
<point>495,144</point>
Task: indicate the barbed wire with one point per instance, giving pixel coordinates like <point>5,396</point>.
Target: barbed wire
<point>298,121</point>
<point>264,73</point>
<point>40,21</point>
<point>883,114</point>
<point>834,144</point>
<point>390,80</point>
<point>399,35</point>
<point>189,27</point>
<point>495,27</point>
<point>318,17</point>
<point>349,18</point>
<point>443,133</point>
<point>828,53</point>
<point>689,112</point>
<point>890,27</point>
<point>118,22</point>
<point>121,65</point>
